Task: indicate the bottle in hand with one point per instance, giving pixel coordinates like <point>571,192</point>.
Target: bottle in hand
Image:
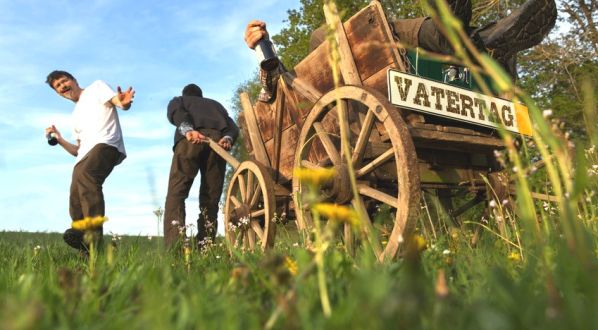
<point>52,140</point>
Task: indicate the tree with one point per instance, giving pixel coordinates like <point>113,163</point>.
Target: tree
<point>554,71</point>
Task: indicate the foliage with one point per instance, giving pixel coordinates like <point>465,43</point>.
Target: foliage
<point>553,73</point>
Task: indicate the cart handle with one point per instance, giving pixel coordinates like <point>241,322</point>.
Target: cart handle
<point>222,153</point>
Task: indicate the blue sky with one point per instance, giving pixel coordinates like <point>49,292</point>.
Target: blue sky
<point>155,46</point>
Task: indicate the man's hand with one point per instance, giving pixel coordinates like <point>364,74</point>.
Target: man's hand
<point>195,137</point>
<point>255,31</point>
<point>124,100</point>
<point>53,129</point>
<point>226,143</point>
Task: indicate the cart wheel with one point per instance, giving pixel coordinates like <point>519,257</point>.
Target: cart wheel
<point>249,208</point>
<point>383,157</point>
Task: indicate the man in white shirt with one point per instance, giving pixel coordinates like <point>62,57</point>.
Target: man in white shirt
<point>98,148</point>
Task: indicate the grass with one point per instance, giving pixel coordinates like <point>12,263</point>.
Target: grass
<point>449,284</point>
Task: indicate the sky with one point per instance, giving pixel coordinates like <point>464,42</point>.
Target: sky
<point>155,46</point>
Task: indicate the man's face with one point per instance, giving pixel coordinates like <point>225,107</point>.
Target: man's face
<point>67,88</point>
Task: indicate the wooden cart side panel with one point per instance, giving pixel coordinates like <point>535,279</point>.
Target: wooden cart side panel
<point>266,117</point>
<point>286,155</point>
<point>245,133</point>
<point>372,47</point>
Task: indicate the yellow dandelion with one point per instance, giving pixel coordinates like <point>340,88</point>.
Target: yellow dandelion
<point>314,176</point>
<point>89,223</point>
<point>291,265</point>
<point>338,213</point>
<point>419,242</point>
<point>514,256</point>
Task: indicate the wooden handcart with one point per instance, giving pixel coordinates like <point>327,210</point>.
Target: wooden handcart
<point>396,152</point>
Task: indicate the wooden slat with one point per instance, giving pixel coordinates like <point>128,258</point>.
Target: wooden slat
<point>254,131</point>
<point>302,87</point>
<point>223,153</point>
<point>453,141</point>
<point>347,64</point>
<point>377,6</point>
<point>280,110</point>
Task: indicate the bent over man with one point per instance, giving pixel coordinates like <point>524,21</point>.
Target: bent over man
<point>196,118</point>
<point>99,146</point>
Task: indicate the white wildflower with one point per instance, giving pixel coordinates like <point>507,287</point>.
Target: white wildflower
<point>547,113</point>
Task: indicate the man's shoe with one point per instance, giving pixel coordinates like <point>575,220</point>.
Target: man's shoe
<point>74,238</point>
<point>524,28</point>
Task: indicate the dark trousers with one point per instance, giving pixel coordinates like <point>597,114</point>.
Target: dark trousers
<point>86,197</point>
<point>187,160</point>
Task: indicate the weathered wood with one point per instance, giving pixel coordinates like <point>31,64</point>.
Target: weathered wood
<point>347,63</point>
<point>451,176</point>
<point>398,62</point>
<point>385,198</point>
<point>234,163</point>
<point>280,111</point>
<point>287,154</point>
<point>453,141</point>
<point>240,206</point>
<point>302,87</point>
<point>254,131</point>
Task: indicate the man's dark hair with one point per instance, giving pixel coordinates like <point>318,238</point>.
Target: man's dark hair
<point>57,74</point>
<point>192,90</point>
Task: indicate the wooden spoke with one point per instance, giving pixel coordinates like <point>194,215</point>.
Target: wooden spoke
<point>377,195</point>
<point>375,163</point>
<point>343,114</point>
<point>235,201</point>
<point>257,229</point>
<point>242,188</point>
<point>256,197</point>
<point>363,138</point>
<point>250,187</point>
<point>368,228</point>
<point>328,145</point>
<point>348,235</point>
<point>257,213</point>
<point>245,240</point>
<point>251,239</point>
<point>238,237</point>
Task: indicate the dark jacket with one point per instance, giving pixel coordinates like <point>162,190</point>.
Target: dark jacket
<point>205,115</point>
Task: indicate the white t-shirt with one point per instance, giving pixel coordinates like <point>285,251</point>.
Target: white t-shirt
<point>95,120</point>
